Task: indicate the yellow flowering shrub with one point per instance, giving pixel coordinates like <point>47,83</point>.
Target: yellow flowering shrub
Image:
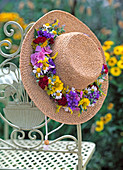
<point>110,106</point>
<point>114,57</point>
<point>115,71</point>
<point>103,120</point>
<point>12,16</point>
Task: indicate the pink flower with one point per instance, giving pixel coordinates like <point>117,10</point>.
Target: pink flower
<point>45,50</point>
<point>81,93</point>
<point>36,57</point>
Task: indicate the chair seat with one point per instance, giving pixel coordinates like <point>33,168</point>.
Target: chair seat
<point>25,159</point>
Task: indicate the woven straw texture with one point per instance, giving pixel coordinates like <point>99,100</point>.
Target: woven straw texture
<point>72,71</point>
<point>79,61</point>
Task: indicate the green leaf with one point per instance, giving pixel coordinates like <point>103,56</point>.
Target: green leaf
<point>35,33</point>
<point>81,109</point>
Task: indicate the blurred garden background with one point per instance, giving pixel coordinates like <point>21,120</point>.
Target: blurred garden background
<point>105,19</point>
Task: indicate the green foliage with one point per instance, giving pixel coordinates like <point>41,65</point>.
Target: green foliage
<point>103,19</point>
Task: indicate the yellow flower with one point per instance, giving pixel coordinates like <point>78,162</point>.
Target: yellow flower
<point>121,57</point>
<point>112,61</point>
<point>54,57</point>
<point>108,43</point>
<point>107,55</point>
<point>115,71</point>
<point>71,111</point>
<point>99,126</point>
<point>110,106</point>
<point>84,102</point>
<point>56,23</point>
<point>58,85</point>
<point>47,24</point>
<point>45,65</point>
<point>54,32</point>
<point>118,50</point>
<point>24,26</point>
<point>58,108</point>
<point>38,70</point>
<point>21,22</point>
<point>55,84</point>
<point>108,117</point>
<point>65,90</point>
<point>44,44</point>
<point>120,64</point>
<point>6,16</point>
<point>44,62</point>
<point>17,36</point>
<point>106,47</point>
<point>103,119</point>
<point>5,44</point>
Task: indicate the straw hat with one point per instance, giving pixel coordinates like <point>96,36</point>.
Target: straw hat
<point>78,64</point>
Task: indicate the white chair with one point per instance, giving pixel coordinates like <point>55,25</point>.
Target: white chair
<point>21,114</point>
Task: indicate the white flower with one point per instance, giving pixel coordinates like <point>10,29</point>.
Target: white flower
<point>100,80</point>
<point>88,90</point>
<point>46,26</point>
<point>73,89</point>
<point>57,94</point>
<point>66,109</point>
<point>94,88</point>
<point>38,71</point>
<point>46,70</point>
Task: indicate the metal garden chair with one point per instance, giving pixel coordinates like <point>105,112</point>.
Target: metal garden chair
<point>21,114</point>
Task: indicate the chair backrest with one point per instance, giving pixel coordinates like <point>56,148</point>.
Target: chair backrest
<point>21,111</point>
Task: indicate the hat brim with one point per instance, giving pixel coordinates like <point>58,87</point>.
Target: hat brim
<point>38,95</point>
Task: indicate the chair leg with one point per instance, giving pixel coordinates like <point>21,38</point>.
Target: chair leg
<point>79,135</point>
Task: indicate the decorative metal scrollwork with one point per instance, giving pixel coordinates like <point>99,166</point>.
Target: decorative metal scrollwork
<point>10,33</point>
<point>22,136</point>
<point>69,147</point>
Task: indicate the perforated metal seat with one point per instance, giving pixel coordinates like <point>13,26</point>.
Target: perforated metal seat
<point>24,159</point>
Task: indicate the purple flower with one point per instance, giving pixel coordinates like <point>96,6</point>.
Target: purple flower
<point>93,97</point>
<point>72,100</point>
<point>45,34</point>
<point>52,70</point>
<point>40,33</point>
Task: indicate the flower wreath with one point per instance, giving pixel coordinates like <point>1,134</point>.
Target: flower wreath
<point>44,70</point>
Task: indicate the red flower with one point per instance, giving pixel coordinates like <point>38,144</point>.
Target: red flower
<point>62,101</point>
<point>43,82</point>
<point>51,40</point>
<point>40,40</point>
<point>106,69</point>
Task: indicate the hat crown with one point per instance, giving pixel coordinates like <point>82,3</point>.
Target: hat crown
<point>79,61</point>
